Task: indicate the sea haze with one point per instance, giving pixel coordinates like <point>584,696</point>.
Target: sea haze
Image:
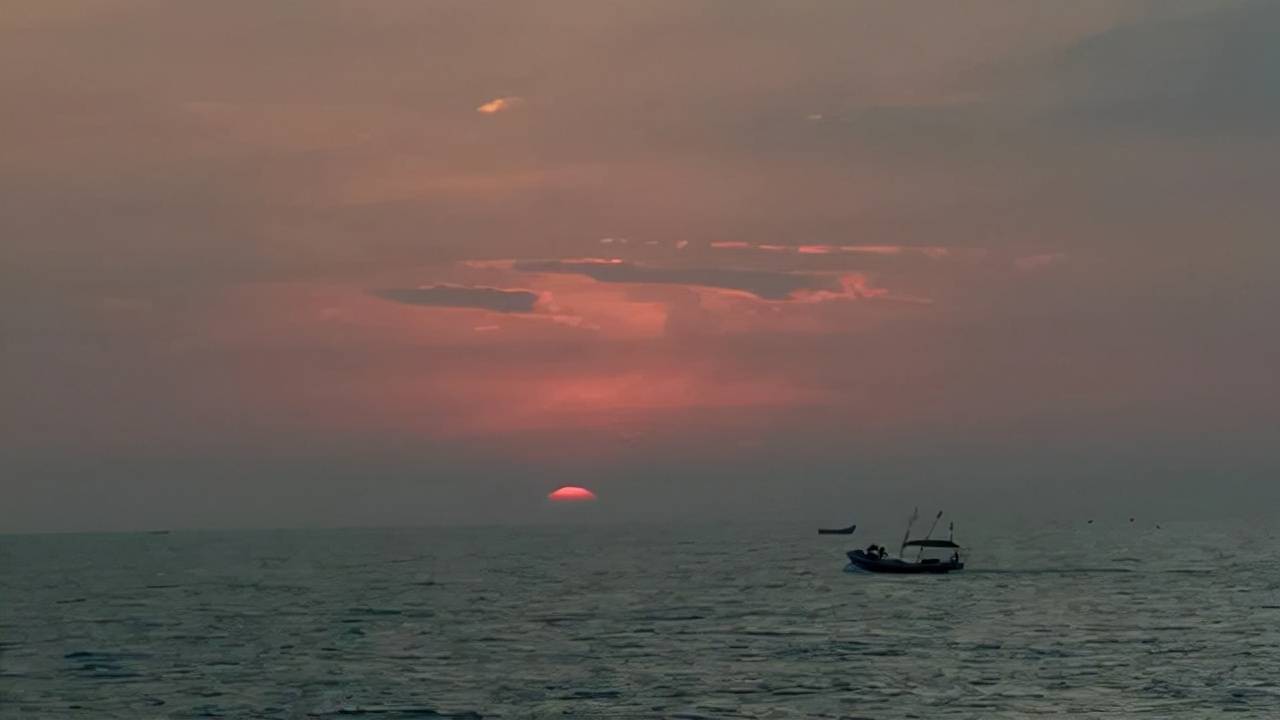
<point>1110,619</point>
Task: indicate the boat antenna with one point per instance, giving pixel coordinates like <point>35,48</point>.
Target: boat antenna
<point>907,535</point>
<point>932,527</point>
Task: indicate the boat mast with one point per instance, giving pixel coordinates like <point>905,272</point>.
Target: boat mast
<point>951,535</point>
<point>907,535</point>
<point>932,527</point>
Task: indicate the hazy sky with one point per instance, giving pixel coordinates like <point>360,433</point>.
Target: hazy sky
<point>300,263</point>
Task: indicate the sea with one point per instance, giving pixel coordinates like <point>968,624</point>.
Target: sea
<point>1110,619</point>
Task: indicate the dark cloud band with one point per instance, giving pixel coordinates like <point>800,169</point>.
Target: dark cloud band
<point>464,296</point>
<point>765,284</point>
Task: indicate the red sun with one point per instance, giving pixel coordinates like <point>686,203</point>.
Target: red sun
<point>571,493</point>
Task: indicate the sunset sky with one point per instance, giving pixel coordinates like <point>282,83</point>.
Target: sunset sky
<point>328,263</point>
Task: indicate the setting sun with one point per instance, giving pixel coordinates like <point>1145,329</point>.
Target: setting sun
<point>571,493</point>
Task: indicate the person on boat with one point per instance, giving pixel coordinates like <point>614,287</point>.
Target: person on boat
<point>872,550</point>
<point>883,553</point>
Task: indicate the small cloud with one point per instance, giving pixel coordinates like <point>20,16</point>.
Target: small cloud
<point>874,249</point>
<point>815,117</point>
<point>851,286</point>
<point>815,249</point>
<point>1032,263</point>
<point>488,264</point>
<point>587,261</point>
<point>682,244</point>
<point>501,104</point>
<point>932,252</point>
<point>464,296</point>
<point>855,286</point>
<point>613,241</point>
<point>764,284</point>
<point>487,328</point>
<point>650,242</point>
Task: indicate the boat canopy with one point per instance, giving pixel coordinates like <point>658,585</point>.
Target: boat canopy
<point>930,544</point>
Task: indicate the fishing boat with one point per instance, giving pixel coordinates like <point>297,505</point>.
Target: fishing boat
<point>838,531</point>
<point>876,560</point>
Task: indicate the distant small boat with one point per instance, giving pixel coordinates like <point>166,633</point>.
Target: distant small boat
<point>874,559</point>
<point>838,531</point>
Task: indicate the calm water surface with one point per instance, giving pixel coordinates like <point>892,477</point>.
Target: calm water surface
<point>1097,620</point>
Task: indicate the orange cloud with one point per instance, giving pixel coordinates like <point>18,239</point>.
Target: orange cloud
<point>930,251</point>
<point>873,249</point>
<point>592,261</point>
<point>610,310</point>
<point>502,104</point>
<point>505,264</point>
<point>853,286</point>
<point>636,369</point>
<point>611,298</point>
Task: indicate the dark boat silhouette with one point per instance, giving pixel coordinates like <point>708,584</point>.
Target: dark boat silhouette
<point>838,531</point>
<point>863,560</point>
<point>876,560</point>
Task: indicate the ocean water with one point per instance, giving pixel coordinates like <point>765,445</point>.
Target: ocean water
<point>1106,620</point>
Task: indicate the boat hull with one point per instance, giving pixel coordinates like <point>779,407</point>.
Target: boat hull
<point>892,566</point>
<point>837,531</point>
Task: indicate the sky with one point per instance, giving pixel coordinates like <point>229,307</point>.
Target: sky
<point>326,263</point>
